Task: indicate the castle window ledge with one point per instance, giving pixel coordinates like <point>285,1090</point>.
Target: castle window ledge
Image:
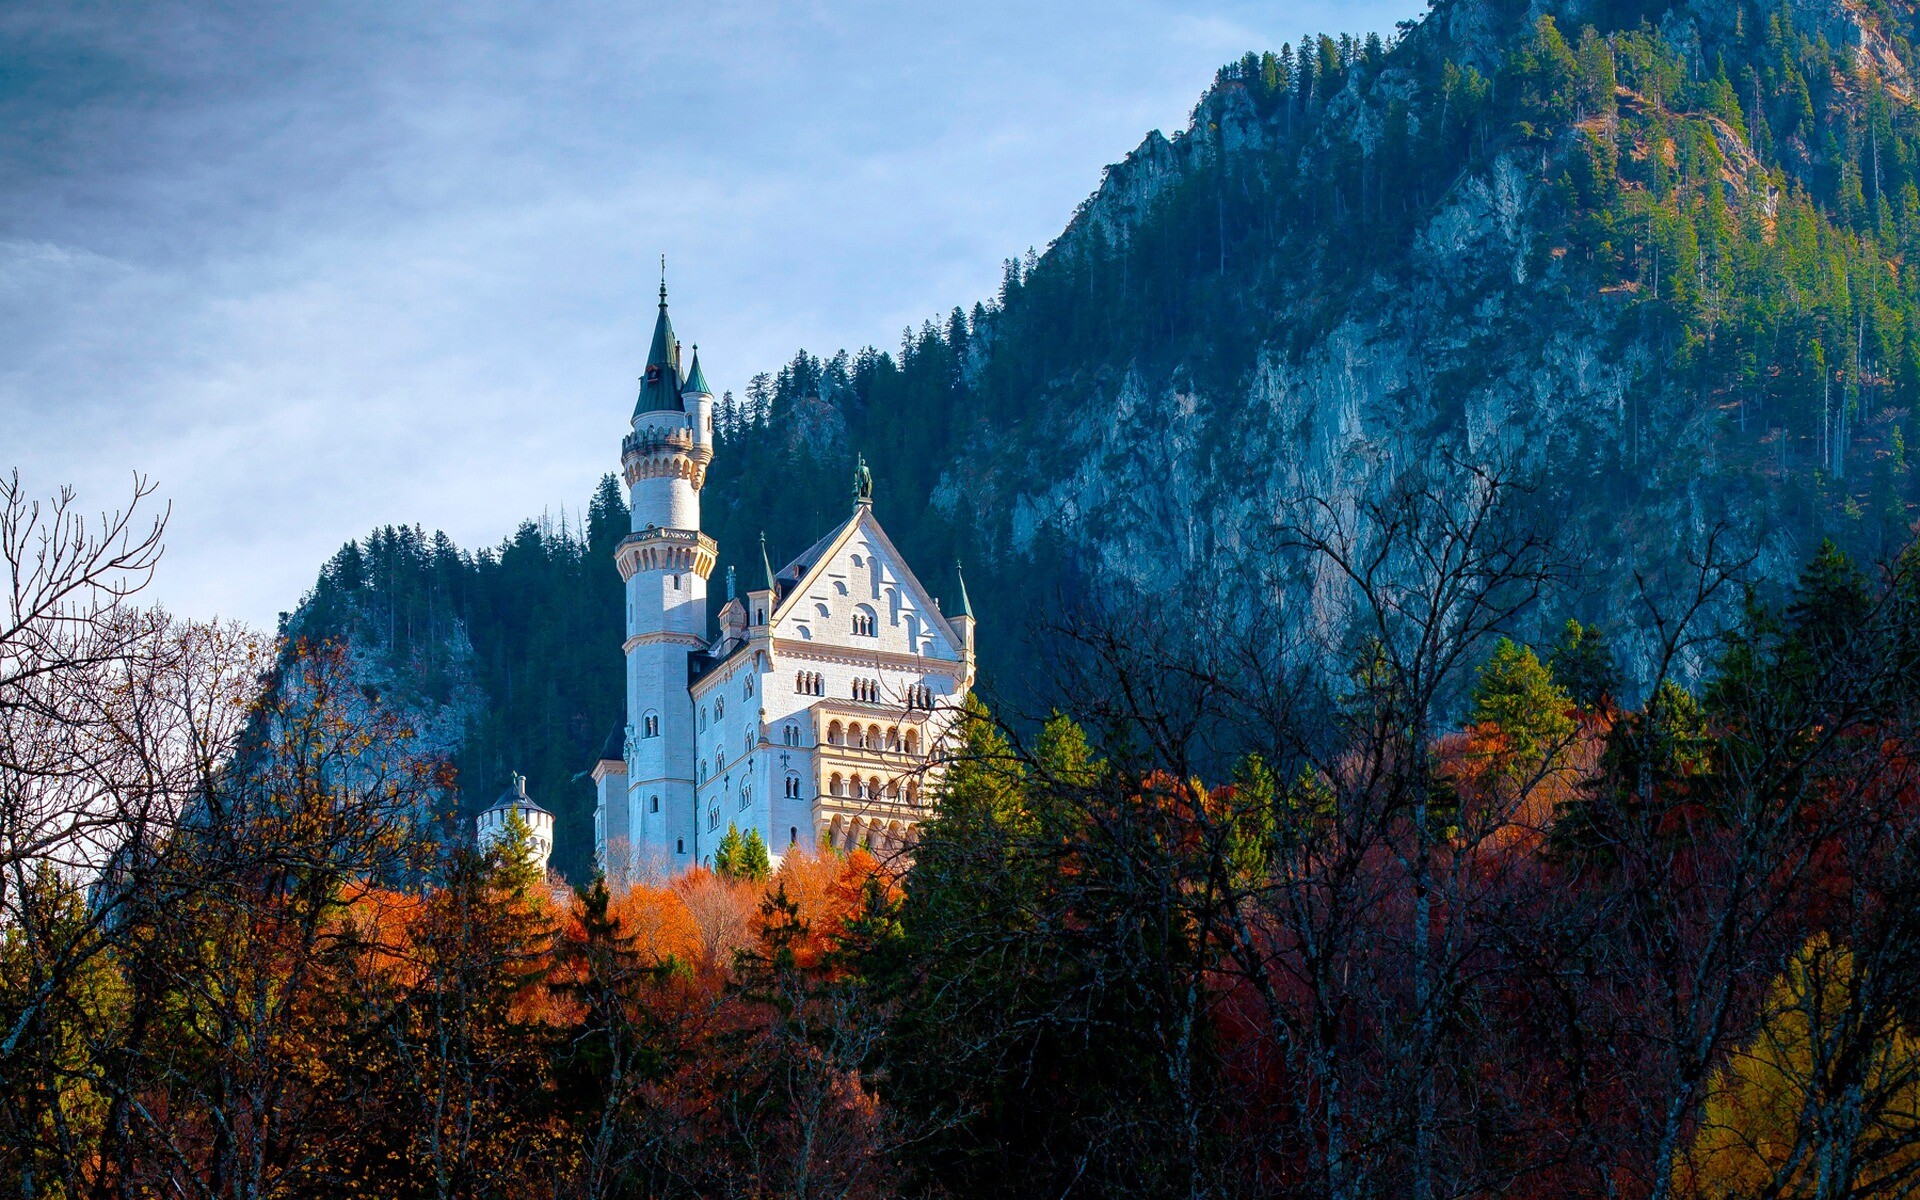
<point>863,754</point>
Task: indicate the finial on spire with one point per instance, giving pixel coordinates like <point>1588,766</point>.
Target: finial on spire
<point>663,281</point>
<point>862,484</point>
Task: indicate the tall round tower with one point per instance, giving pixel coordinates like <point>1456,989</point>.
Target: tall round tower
<point>665,562</point>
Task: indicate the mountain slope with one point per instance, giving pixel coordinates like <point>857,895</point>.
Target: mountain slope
<point>1653,258</point>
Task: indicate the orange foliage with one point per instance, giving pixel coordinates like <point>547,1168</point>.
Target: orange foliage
<point>381,920</point>
<point>659,922</point>
<point>826,889</point>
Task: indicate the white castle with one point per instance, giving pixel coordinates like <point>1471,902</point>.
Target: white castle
<point>815,716</point>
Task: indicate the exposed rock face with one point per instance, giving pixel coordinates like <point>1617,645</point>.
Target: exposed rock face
<point>1481,340</point>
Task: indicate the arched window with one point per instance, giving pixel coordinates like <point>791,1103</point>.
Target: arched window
<point>791,734</point>
<point>912,742</point>
<point>793,787</point>
<point>713,819</point>
<point>855,737</point>
<point>653,805</point>
<point>893,737</point>
<point>679,845</point>
<point>834,736</point>
<point>703,772</point>
<point>893,789</point>
<point>650,725</point>
<point>913,792</point>
<point>703,718</point>
<point>719,707</point>
<point>749,688</point>
<point>793,835</point>
<point>873,788</point>
<point>746,795</point>
<point>836,785</point>
<point>800,682</point>
<point>863,621</point>
<point>748,748</point>
<point>873,737</point>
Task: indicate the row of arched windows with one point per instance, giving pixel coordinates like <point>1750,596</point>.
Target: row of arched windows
<point>869,737</point>
<point>809,683</point>
<point>890,837</point>
<point>863,622</point>
<point>867,690</point>
<point>919,695</point>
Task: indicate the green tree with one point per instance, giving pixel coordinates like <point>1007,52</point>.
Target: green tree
<point>727,861</point>
<point>513,859</point>
<point>1582,664</point>
<point>752,861</point>
<point>1517,696</point>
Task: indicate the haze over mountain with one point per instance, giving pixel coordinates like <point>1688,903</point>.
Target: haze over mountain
<point>1650,257</point>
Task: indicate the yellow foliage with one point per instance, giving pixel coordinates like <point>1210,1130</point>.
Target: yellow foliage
<point>1778,1111</point>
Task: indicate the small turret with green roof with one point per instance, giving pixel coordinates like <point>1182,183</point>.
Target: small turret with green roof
<point>696,384</point>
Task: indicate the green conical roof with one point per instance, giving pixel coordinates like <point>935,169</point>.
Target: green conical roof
<point>660,386</point>
<point>766,567</point>
<point>966,606</point>
<point>696,378</point>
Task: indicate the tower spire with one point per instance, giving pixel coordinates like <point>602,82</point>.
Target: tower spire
<point>660,386</point>
<point>766,566</point>
<point>966,606</point>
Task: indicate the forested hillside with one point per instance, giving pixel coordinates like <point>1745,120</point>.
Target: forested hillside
<point>1650,258</point>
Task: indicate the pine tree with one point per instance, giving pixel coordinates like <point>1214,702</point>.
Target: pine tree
<point>1583,665</point>
<point>1516,695</point>
<point>727,860</point>
<point>752,861</point>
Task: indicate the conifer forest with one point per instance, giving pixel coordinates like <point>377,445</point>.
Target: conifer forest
<point>1506,785</point>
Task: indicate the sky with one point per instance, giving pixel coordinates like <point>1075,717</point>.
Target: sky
<point>314,268</point>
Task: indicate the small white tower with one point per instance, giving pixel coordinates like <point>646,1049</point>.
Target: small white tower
<point>665,562</point>
<point>491,826</point>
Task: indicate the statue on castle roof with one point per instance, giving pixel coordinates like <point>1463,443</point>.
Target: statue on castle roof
<point>862,483</point>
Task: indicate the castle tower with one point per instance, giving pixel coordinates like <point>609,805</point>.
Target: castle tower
<point>650,821</point>
<point>491,826</point>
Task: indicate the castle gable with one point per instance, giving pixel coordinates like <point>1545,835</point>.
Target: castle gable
<point>859,594</point>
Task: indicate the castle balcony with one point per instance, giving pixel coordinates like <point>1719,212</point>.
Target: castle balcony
<point>654,453</point>
<point>666,550</point>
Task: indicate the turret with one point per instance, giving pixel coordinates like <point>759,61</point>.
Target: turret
<point>492,825</point>
<point>764,596</point>
<point>962,618</point>
<point>697,398</point>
